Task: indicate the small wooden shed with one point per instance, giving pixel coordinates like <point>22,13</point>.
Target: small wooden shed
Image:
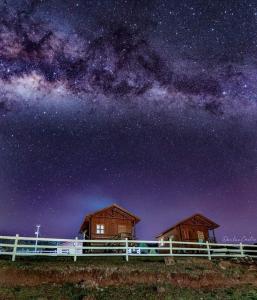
<point>112,222</point>
<point>196,228</point>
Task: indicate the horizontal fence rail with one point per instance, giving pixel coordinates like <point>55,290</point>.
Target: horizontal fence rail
<point>32,246</point>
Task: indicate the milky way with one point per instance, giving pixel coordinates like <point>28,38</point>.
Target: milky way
<point>146,104</point>
<point>118,62</point>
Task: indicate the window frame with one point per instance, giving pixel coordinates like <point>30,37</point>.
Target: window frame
<point>100,229</point>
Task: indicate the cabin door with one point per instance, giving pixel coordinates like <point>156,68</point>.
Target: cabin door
<point>122,229</point>
<point>200,236</point>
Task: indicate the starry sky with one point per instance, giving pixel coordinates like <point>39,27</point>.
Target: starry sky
<point>148,104</point>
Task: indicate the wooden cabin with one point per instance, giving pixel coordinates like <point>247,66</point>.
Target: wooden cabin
<point>112,222</point>
<point>196,228</point>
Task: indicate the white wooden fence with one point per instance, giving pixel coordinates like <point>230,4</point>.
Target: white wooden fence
<point>31,246</point>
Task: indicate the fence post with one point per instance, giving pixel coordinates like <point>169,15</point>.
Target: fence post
<point>171,252</point>
<point>75,248</point>
<point>126,241</point>
<point>15,247</point>
<point>208,250</point>
<point>241,249</point>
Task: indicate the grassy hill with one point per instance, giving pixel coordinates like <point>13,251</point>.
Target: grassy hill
<point>113,278</point>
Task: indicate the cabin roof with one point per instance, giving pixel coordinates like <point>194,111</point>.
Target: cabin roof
<point>212,225</point>
<point>89,216</point>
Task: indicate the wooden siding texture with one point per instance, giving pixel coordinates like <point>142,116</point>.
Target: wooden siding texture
<point>115,222</point>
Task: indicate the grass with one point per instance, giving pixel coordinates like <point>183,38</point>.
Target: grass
<point>74,292</point>
<point>110,278</point>
<point>61,263</point>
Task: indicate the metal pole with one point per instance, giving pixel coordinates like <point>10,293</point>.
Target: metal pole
<point>37,234</point>
<point>15,247</point>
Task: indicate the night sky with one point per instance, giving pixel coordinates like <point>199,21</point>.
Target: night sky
<point>148,104</point>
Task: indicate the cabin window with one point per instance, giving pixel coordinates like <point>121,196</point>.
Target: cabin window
<point>100,229</point>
